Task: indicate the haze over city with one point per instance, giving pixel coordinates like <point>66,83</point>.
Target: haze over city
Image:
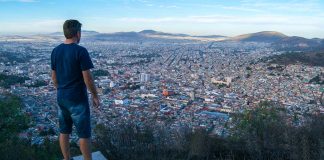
<point>208,17</point>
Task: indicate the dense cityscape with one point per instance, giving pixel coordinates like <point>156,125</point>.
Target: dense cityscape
<point>161,80</point>
<point>174,83</point>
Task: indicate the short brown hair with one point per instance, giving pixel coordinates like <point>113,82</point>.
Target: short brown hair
<point>71,27</point>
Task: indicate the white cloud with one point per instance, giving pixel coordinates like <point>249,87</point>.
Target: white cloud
<point>35,26</point>
<point>306,26</point>
<point>244,9</point>
<point>249,20</point>
<point>27,1</point>
<point>23,1</point>
<point>264,6</point>
<point>309,6</point>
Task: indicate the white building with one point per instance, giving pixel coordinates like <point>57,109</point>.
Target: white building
<point>144,77</point>
<point>112,84</point>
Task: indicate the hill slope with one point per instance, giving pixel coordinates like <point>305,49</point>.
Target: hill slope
<point>265,36</point>
<point>299,43</point>
<point>306,58</point>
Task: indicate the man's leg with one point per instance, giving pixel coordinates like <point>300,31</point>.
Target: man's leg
<point>81,119</point>
<point>85,147</point>
<point>65,146</point>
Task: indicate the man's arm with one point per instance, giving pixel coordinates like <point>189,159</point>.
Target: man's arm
<point>88,80</point>
<point>54,78</point>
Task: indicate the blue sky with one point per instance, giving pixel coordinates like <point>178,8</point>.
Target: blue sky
<point>197,17</point>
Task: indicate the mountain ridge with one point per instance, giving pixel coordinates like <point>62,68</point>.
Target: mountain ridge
<point>276,39</point>
<point>263,36</point>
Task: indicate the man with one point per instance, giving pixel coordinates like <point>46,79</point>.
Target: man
<point>71,76</point>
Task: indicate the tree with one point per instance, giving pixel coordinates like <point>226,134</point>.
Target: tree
<point>264,131</point>
<point>268,134</point>
<point>100,72</point>
<point>12,122</point>
<point>7,80</point>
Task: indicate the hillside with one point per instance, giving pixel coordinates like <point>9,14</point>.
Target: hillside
<point>265,36</point>
<point>307,58</point>
<point>295,43</point>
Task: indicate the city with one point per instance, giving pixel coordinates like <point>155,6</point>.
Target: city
<point>177,83</point>
<point>161,80</point>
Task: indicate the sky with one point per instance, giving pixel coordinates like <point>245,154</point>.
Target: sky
<point>196,17</point>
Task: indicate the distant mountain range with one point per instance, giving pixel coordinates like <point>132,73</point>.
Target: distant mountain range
<point>149,35</point>
<point>153,32</point>
<point>276,39</point>
<point>265,36</point>
<point>84,32</point>
<point>282,41</point>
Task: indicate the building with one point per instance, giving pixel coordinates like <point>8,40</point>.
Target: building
<point>112,84</point>
<point>322,110</point>
<point>167,92</point>
<point>228,81</point>
<point>144,77</point>
<point>192,95</point>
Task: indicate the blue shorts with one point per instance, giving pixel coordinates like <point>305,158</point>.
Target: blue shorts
<point>77,113</point>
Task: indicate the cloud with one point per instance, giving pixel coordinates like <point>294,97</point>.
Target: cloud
<point>227,19</point>
<point>152,4</point>
<point>227,7</point>
<point>33,26</point>
<point>263,6</point>
<point>168,6</point>
<point>244,9</point>
<point>27,1</point>
<point>310,6</point>
<point>305,26</point>
<point>23,1</point>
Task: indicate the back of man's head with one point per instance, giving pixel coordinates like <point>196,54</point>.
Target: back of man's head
<point>71,28</point>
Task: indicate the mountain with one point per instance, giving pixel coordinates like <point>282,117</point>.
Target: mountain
<point>281,41</point>
<point>299,43</point>
<point>153,32</point>
<point>179,35</point>
<point>211,36</point>
<point>149,32</point>
<point>265,36</point>
<point>312,58</point>
<point>151,35</point>
<point>277,40</point>
<point>84,33</point>
<point>118,36</point>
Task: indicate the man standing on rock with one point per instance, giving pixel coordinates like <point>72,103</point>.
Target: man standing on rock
<point>71,64</point>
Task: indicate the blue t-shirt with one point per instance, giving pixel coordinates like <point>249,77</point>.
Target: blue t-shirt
<point>69,60</point>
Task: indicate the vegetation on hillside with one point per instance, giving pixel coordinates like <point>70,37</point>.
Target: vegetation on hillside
<point>265,132</point>
<point>38,83</point>
<point>7,80</point>
<point>12,122</point>
<point>11,57</point>
<point>307,58</point>
<point>261,133</point>
<point>100,72</point>
<point>319,79</point>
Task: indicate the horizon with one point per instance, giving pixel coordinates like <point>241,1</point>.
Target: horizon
<point>227,18</point>
<point>85,30</point>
